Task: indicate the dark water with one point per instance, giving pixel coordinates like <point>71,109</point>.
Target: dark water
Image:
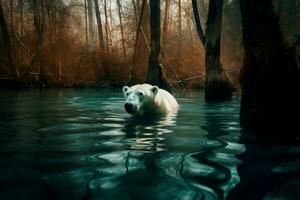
<point>80,144</point>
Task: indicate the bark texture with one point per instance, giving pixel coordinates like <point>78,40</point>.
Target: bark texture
<point>6,49</point>
<point>39,24</point>
<point>155,75</point>
<point>270,80</point>
<point>217,85</point>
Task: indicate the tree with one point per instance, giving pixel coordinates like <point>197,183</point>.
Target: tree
<point>86,23</point>
<point>121,27</point>
<point>155,75</point>
<point>90,27</point>
<point>140,56</point>
<point>166,20</point>
<point>101,40</point>
<point>99,25</point>
<point>217,85</point>
<point>198,22</point>
<point>270,78</point>
<point>107,39</point>
<point>6,49</point>
<point>39,24</point>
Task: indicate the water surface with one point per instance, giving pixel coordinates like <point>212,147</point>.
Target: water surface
<point>81,144</point>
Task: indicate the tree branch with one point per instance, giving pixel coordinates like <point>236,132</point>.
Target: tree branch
<point>198,22</point>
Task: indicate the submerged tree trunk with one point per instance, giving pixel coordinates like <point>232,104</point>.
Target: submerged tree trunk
<point>155,75</point>
<point>217,85</point>
<point>269,78</point>
<point>6,49</point>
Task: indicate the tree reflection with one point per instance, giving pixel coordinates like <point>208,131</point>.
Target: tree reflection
<point>270,168</point>
<point>220,156</point>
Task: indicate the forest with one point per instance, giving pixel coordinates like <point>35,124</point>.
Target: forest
<point>149,99</point>
<point>87,43</point>
<point>171,43</point>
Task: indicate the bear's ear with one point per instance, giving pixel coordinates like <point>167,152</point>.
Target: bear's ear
<point>154,89</point>
<point>125,89</point>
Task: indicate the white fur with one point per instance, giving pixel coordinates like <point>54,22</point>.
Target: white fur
<point>150,99</point>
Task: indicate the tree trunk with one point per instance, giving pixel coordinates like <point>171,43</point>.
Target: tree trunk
<point>22,28</point>
<point>90,27</point>
<point>139,26</point>
<point>203,9</point>
<point>110,28</point>
<point>198,22</point>
<point>86,23</point>
<point>179,19</point>
<point>106,26</point>
<point>269,77</point>
<point>155,75</point>
<point>6,49</point>
<point>136,18</point>
<point>101,41</point>
<point>121,27</point>
<point>217,85</point>
<point>140,56</point>
<point>166,21</point>
<point>99,25</point>
<point>11,18</point>
<point>38,18</point>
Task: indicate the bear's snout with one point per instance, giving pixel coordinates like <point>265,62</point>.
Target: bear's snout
<point>129,108</point>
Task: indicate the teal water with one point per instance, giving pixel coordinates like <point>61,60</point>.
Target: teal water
<point>81,144</point>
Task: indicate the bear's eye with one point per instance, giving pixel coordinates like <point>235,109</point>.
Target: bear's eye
<point>140,94</point>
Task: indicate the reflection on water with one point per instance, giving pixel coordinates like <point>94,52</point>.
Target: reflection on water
<point>81,144</point>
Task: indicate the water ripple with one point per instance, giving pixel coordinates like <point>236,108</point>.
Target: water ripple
<point>83,142</point>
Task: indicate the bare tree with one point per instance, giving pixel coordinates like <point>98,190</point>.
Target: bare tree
<point>90,27</point>
<point>166,20</point>
<point>86,23</point>
<point>22,26</point>
<point>179,18</point>
<point>198,22</point>
<point>6,49</point>
<point>99,25</point>
<point>39,24</point>
<point>155,75</point>
<point>217,84</point>
<point>139,26</point>
<point>135,13</point>
<point>106,26</point>
<point>121,27</point>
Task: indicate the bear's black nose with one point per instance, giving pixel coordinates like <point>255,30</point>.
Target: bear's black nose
<point>129,108</point>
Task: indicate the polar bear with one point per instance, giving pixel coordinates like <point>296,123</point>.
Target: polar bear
<point>148,99</point>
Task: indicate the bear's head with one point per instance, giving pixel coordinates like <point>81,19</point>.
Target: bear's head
<point>139,98</point>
